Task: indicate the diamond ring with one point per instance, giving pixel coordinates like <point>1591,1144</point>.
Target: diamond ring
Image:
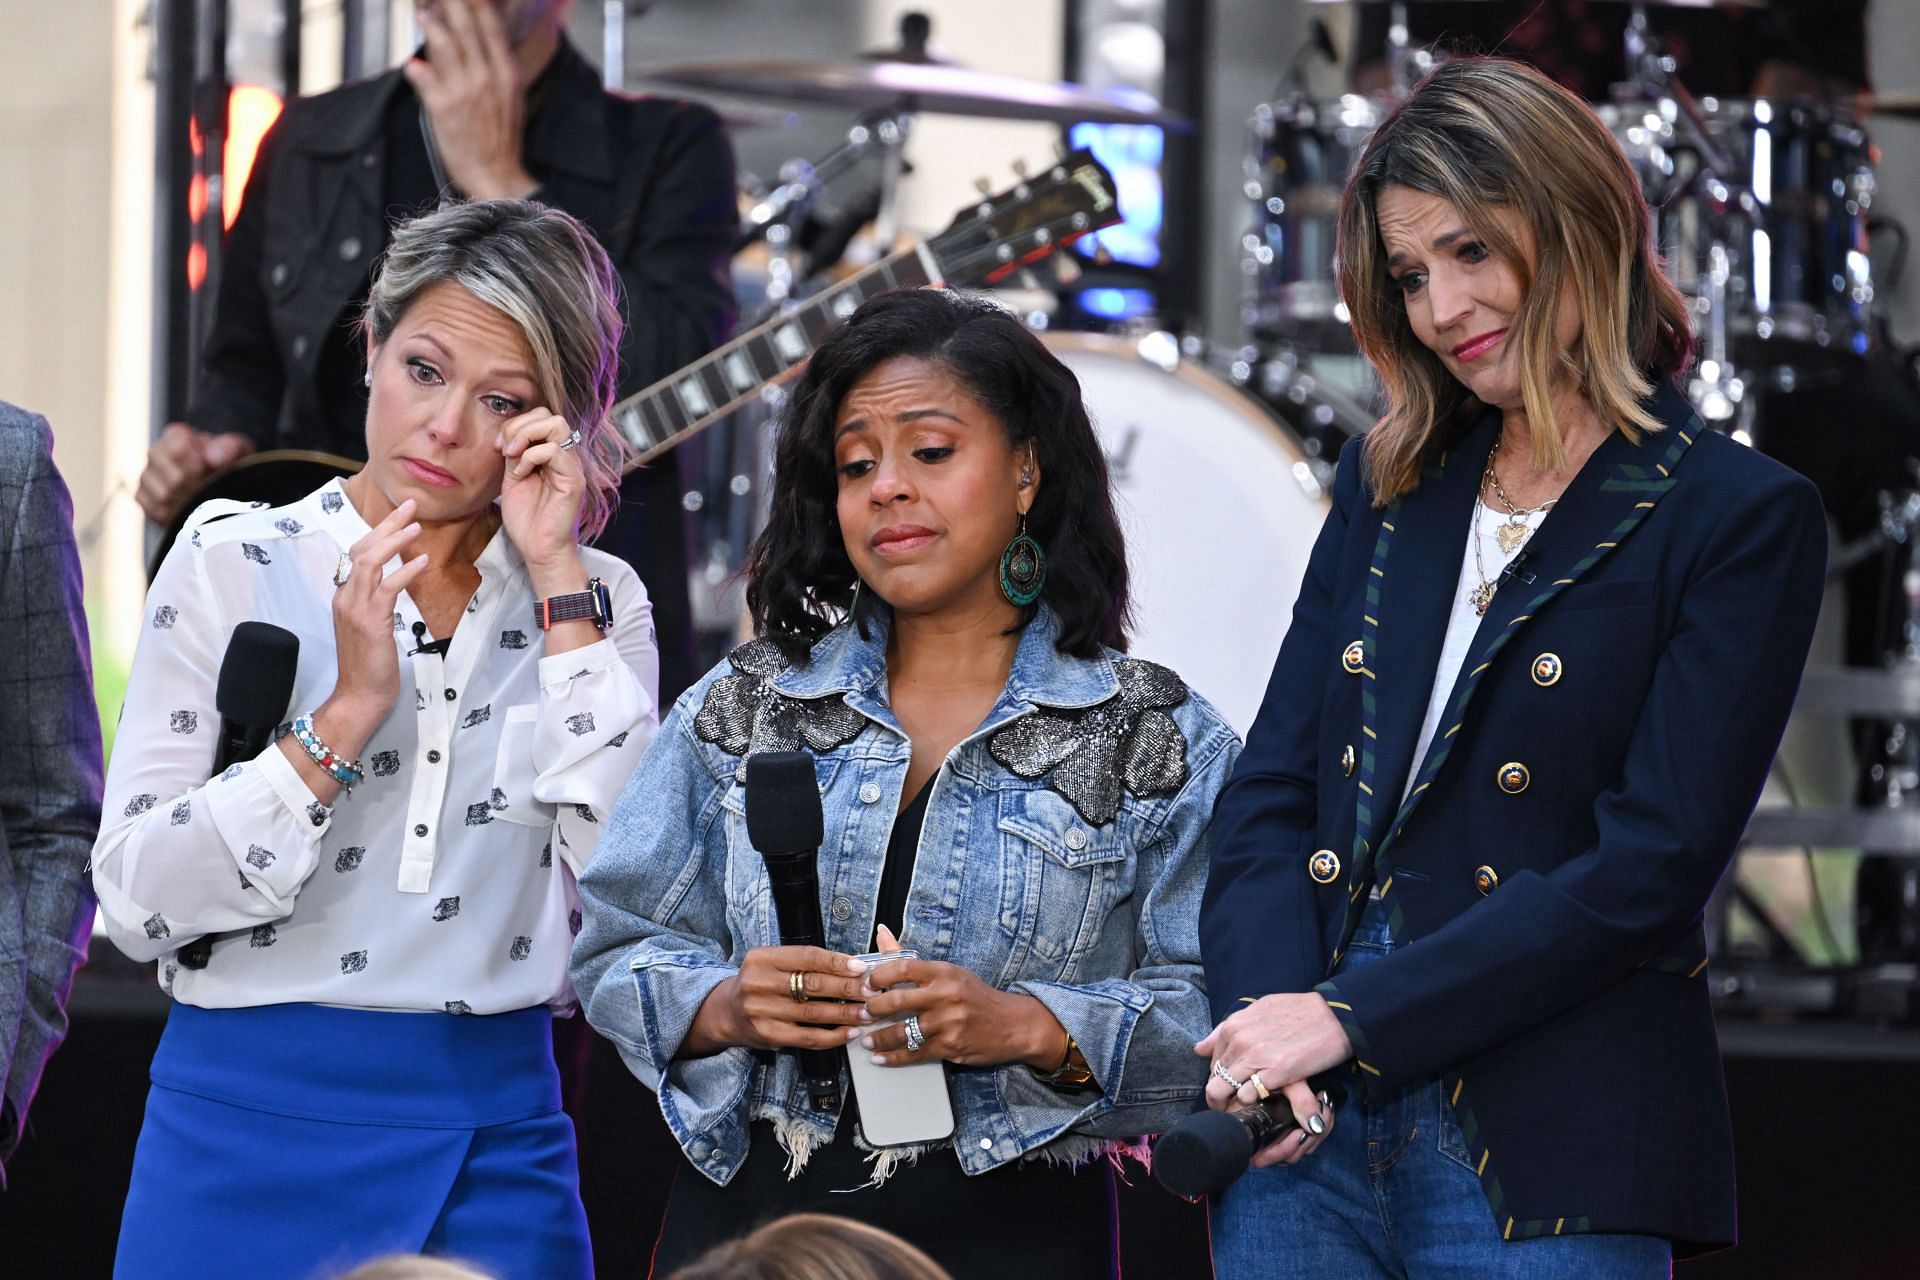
<point>1224,1074</point>
<point>915,1037</point>
<point>573,438</point>
<point>342,569</point>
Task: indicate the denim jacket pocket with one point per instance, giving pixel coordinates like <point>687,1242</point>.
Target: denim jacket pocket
<point>1059,879</point>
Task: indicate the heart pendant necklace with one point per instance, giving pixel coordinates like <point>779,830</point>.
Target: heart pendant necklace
<point>1514,529</point>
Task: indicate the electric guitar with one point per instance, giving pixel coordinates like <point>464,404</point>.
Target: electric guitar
<point>986,242</point>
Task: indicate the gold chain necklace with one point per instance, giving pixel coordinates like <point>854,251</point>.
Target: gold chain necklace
<point>1514,529</point>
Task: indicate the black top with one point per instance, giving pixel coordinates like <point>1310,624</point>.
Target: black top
<point>896,878</point>
<point>1046,1219</point>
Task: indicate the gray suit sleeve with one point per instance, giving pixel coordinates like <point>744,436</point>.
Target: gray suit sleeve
<point>50,768</point>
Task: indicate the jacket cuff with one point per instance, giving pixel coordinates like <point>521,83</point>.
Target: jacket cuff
<point>1365,1067</point>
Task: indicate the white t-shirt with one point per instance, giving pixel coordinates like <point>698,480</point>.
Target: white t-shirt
<point>445,881</point>
<point>1463,621</point>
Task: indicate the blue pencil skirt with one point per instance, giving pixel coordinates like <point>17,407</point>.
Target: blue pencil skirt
<point>298,1141</point>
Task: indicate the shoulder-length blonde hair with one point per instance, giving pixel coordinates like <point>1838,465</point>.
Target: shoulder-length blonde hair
<point>545,272</point>
<point>1487,134</point>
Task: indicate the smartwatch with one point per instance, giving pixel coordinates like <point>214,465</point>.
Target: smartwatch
<point>594,604</point>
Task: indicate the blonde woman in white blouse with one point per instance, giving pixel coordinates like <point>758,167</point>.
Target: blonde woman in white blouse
<point>362,1064</point>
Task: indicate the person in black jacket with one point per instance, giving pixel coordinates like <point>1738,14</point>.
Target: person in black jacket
<point>498,103</point>
<point>1544,651</point>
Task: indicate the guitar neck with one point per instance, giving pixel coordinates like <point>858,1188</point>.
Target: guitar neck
<point>657,418</point>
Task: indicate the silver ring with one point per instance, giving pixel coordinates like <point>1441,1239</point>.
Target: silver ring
<point>342,569</point>
<point>915,1037</point>
<point>573,438</point>
<point>1221,1071</point>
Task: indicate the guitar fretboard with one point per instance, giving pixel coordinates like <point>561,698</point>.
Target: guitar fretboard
<point>658,417</point>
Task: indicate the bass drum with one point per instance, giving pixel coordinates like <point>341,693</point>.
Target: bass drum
<point>1220,508</point>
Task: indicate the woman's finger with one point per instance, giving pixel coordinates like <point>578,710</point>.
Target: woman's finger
<point>531,428</point>
<point>545,454</point>
<point>825,986</point>
<point>892,973</point>
<point>392,584</point>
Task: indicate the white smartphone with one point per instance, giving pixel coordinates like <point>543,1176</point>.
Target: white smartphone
<point>899,1105</point>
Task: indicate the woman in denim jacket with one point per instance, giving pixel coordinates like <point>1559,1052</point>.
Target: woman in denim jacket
<point>941,596</point>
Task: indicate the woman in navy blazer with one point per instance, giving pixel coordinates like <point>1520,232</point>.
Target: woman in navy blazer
<point>1544,651</point>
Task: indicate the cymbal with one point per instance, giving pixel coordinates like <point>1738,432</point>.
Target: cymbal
<point>1658,4</point>
<point>1903,103</point>
<point>919,87</point>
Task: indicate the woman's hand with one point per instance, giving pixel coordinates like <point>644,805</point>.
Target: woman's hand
<point>541,492</point>
<point>1285,1038</point>
<point>363,608</point>
<point>755,1009</point>
<point>962,1019</point>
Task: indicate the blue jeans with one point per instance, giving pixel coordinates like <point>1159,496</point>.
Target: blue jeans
<point>1392,1193</point>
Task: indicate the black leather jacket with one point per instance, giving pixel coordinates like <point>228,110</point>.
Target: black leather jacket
<point>652,177</point>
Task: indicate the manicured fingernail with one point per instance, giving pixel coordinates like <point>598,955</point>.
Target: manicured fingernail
<point>1304,1135</point>
<point>879,1060</point>
<point>854,1033</point>
<point>867,991</point>
<point>867,1043</point>
<point>1315,1125</point>
<point>865,1016</point>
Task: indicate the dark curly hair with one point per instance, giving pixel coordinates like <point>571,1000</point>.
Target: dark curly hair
<point>800,582</point>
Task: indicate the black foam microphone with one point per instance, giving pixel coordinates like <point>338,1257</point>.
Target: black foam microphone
<point>1209,1149</point>
<point>256,684</point>
<point>785,824</point>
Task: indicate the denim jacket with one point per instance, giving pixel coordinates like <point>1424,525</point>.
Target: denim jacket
<point>1078,884</point>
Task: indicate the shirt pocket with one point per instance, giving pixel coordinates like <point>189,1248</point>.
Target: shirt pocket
<point>514,772</point>
<point>1060,877</point>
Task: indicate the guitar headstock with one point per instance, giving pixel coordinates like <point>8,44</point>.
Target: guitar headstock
<point>1002,233</point>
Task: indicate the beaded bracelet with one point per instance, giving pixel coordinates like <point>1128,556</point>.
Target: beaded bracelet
<point>342,770</point>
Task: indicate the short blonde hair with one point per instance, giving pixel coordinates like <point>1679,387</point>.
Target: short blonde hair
<point>544,271</point>
<point>814,1246</point>
<point>1487,134</point>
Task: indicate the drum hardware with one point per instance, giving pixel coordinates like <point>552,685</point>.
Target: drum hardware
<point>1204,475</point>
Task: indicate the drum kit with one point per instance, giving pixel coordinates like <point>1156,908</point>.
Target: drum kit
<point>1761,207</point>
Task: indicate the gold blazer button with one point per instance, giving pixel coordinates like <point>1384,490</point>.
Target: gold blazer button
<point>1324,866</point>
<point>1354,657</point>
<point>1547,669</point>
<point>1513,777</point>
<point>1486,880</point>
<point>1346,760</point>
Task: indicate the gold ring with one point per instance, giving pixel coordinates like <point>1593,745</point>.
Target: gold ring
<point>1259,1086</point>
<point>797,987</point>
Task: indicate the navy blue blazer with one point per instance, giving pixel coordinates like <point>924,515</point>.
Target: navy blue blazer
<point>1601,752</point>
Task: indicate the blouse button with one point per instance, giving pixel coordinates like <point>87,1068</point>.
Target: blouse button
<point>842,910</point>
<point>1076,839</point>
<point>420,828</point>
<point>869,793</point>
<point>433,757</point>
<point>452,694</point>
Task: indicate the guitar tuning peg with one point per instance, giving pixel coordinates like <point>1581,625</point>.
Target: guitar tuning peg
<point>1027,280</point>
<point>1020,169</point>
<point>1066,270</point>
<point>1102,255</point>
<point>983,185</point>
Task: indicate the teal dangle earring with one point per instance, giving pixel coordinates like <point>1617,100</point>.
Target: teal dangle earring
<point>1023,569</point>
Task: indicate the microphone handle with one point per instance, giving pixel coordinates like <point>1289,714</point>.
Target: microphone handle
<point>237,744</point>
<point>1271,1119</point>
<point>796,908</point>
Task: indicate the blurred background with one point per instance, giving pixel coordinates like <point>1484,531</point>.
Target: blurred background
<point>1214,355</point>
